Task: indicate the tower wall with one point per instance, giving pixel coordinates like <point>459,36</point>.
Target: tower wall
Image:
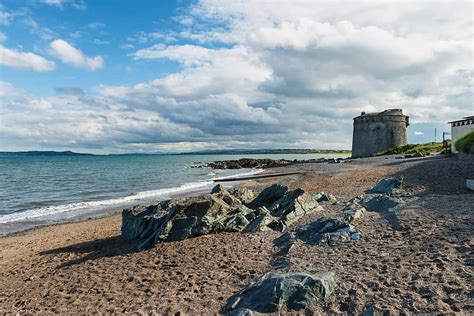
<point>378,132</point>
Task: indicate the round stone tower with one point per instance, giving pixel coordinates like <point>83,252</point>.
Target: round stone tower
<point>376,132</point>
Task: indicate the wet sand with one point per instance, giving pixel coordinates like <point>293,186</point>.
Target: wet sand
<point>424,265</point>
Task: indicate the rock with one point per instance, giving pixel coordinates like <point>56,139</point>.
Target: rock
<point>329,231</point>
<point>274,292</point>
<point>274,208</point>
<point>261,220</point>
<point>269,195</point>
<point>470,184</point>
<point>400,193</point>
<point>218,188</point>
<point>388,206</point>
<point>243,194</point>
<point>323,197</point>
<point>353,211</point>
<point>243,163</point>
<point>387,185</point>
<point>381,203</point>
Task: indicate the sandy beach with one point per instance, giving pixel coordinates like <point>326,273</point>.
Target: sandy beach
<point>422,265</point>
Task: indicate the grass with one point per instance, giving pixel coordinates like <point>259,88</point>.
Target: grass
<point>465,144</point>
<point>424,149</point>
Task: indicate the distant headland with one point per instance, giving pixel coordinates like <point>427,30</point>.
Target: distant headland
<point>204,152</point>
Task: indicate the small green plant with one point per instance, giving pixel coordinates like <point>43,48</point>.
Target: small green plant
<point>465,144</point>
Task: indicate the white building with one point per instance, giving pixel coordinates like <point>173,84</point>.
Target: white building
<point>460,128</point>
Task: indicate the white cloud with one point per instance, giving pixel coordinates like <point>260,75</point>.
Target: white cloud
<point>3,37</point>
<point>418,133</point>
<point>56,3</point>
<point>71,55</point>
<point>5,17</point>
<point>256,74</point>
<point>79,5</point>
<point>35,28</point>
<point>94,26</point>
<point>21,60</point>
<point>98,41</point>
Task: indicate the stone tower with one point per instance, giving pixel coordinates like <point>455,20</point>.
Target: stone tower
<point>376,132</point>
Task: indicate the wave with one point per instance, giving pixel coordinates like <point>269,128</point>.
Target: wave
<point>56,212</point>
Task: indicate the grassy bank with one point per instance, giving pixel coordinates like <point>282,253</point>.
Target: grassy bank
<point>424,149</point>
<point>465,144</point>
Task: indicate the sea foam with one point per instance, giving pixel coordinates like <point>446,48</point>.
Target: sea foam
<point>64,212</point>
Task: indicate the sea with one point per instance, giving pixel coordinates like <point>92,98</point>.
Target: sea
<point>43,190</point>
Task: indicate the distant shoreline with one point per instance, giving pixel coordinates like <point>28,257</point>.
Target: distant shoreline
<point>210,152</point>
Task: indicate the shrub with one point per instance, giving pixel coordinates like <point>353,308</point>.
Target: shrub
<point>465,144</point>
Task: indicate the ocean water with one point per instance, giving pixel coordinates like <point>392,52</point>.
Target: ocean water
<point>39,190</point>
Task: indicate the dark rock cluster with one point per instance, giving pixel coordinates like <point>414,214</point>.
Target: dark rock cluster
<point>243,163</point>
<point>261,163</point>
<point>236,210</point>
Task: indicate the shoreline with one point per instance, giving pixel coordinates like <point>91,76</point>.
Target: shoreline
<point>85,267</point>
<point>89,213</point>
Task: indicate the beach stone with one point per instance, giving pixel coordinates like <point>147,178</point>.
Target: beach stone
<point>329,231</point>
<point>324,197</point>
<point>381,203</point>
<point>387,185</point>
<point>218,188</point>
<point>353,210</point>
<point>276,291</point>
<point>275,208</point>
<point>470,184</point>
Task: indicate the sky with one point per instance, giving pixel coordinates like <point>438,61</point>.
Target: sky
<point>108,76</point>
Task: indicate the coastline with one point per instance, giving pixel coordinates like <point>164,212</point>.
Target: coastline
<point>66,267</point>
<point>89,212</point>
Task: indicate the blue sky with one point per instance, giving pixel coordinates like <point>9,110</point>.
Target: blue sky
<point>131,76</point>
<point>100,28</point>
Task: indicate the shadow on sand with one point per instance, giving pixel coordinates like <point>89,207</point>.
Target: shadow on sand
<point>443,175</point>
<point>94,249</point>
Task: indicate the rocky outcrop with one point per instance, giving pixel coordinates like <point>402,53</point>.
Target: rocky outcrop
<point>277,291</point>
<point>262,163</point>
<point>243,163</point>
<point>275,208</point>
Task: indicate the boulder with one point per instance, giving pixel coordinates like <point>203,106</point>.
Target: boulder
<point>220,211</point>
<point>278,291</point>
<point>329,231</point>
<point>381,203</point>
<point>387,185</point>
